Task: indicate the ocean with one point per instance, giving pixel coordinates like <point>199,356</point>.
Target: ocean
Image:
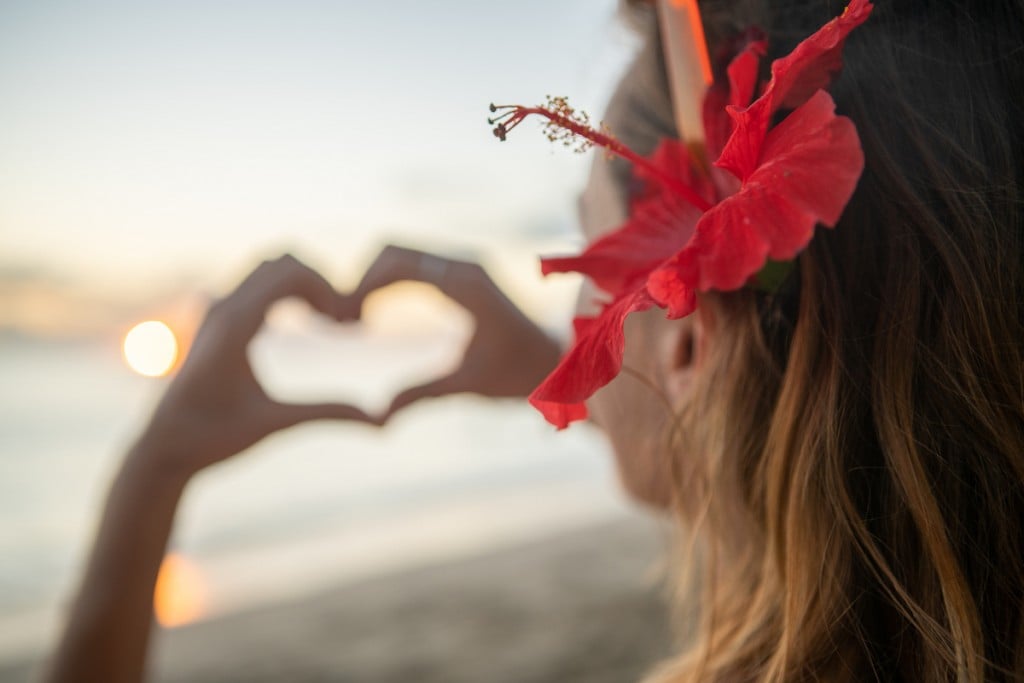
<point>311,507</point>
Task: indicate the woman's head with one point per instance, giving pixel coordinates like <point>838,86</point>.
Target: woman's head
<point>850,447</point>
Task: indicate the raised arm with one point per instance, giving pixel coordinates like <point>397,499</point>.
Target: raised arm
<point>213,409</point>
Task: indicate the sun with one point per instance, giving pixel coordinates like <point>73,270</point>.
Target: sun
<point>150,348</point>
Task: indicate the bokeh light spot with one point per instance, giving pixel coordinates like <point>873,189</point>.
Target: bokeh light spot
<point>150,348</point>
<point>180,594</point>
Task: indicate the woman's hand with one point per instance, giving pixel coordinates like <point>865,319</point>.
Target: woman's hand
<point>215,407</point>
<point>507,356</point>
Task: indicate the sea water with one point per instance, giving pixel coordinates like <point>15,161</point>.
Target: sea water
<point>318,505</point>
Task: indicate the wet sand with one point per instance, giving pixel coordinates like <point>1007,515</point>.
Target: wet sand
<point>585,605</point>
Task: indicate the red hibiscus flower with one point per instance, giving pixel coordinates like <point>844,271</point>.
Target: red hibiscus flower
<point>770,187</point>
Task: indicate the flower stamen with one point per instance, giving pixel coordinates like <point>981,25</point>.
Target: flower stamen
<point>569,126</point>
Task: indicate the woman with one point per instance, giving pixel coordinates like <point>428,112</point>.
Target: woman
<point>853,442</point>
<point>845,447</point>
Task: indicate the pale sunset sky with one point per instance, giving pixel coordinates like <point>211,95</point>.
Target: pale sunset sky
<point>149,150</point>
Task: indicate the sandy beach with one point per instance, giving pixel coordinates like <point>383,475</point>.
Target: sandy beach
<point>584,605</point>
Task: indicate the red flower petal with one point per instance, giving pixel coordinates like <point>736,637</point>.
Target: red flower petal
<point>816,61</point>
<point>658,227</point>
<point>742,81</point>
<point>669,287</point>
<point>718,124</point>
<point>560,414</point>
<point>593,361</point>
<point>809,67</point>
<point>742,73</point>
<point>812,161</point>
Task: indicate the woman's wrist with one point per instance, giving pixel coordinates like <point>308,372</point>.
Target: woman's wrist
<point>153,460</point>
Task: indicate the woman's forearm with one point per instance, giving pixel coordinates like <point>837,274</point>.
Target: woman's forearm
<point>109,625</point>
<point>213,409</point>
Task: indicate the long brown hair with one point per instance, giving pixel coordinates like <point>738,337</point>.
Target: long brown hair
<point>859,502</point>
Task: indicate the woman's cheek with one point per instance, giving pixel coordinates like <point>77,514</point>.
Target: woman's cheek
<point>634,413</point>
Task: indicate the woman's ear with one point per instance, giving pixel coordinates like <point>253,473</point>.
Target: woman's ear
<point>683,348</point>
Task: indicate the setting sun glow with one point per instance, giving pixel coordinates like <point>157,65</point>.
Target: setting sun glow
<point>150,348</point>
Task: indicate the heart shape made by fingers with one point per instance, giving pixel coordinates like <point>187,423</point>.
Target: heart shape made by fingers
<point>408,333</point>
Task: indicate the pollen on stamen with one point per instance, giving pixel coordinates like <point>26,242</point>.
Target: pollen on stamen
<point>564,124</point>
<point>557,131</point>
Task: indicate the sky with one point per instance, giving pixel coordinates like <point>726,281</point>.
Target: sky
<point>153,149</point>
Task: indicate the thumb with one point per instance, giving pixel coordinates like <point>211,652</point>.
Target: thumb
<point>284,415</point>
<point>440,387</point>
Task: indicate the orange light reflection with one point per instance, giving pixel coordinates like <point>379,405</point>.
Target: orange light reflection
<point>180,594</point>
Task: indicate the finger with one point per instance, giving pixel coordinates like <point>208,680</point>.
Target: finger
<point>465,283</point>
<point>445,386</point>
<point>272,281</point>
<point>284,415</point>
<point>393,264</point>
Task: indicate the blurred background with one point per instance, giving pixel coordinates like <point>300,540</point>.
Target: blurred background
<point>150,155</point>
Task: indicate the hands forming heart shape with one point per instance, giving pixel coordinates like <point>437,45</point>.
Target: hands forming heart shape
<point>215,406</point>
